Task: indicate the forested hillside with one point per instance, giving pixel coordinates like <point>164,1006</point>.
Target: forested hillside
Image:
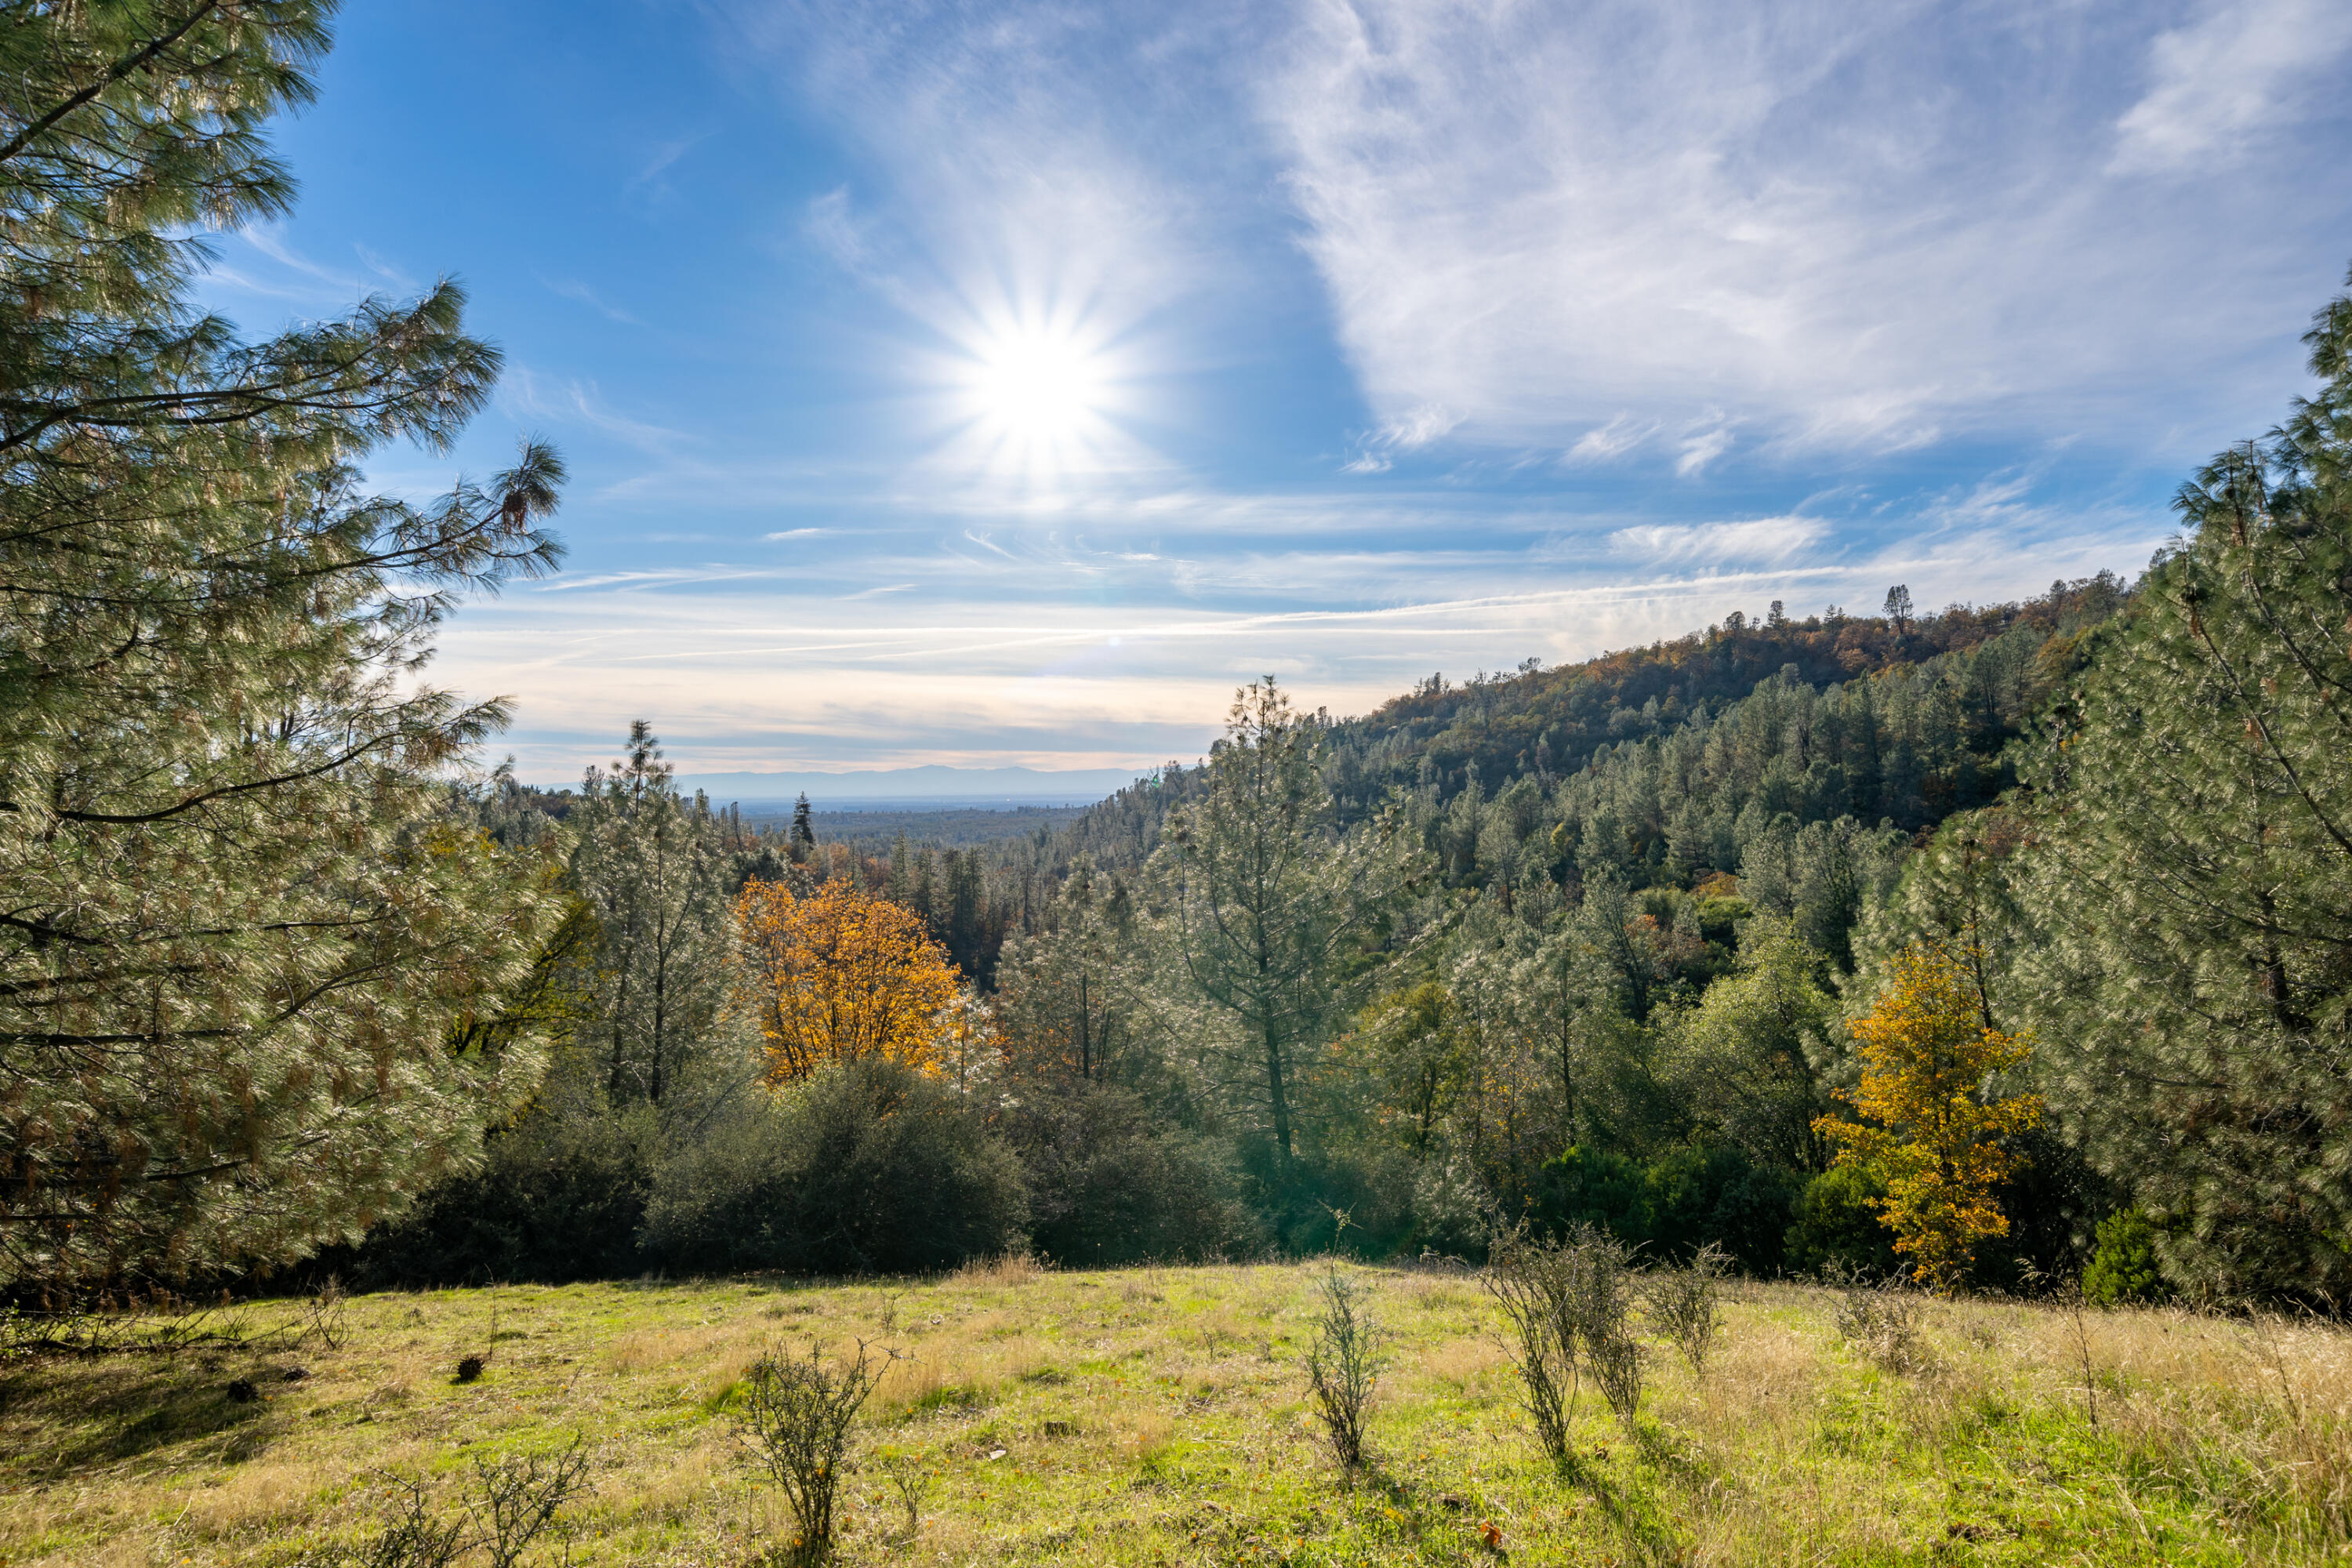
<point>1660,943</point>
<point>1995,946</point>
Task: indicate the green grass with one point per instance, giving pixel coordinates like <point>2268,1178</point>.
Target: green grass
<point>1157,1415</point>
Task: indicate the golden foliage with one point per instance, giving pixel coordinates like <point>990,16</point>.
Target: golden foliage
<point>842,976</point>
<point>1932,1137</point>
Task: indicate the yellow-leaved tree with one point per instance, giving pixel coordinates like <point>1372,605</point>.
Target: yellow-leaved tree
<point>842,976</point>
<point>1932,1128</point>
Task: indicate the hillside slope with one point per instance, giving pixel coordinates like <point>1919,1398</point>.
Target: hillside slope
<point>1927,706</point>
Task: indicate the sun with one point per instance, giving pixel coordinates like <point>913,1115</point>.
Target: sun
<point>1038,385</point>
<point>1039,393</point>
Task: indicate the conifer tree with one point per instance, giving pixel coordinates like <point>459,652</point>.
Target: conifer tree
<point>1262,895</point>
<point>650,865</point>
<point>243,951</point>
<point>1417,1059</point>
<point>2193,846</point>
<point>1068,996</point>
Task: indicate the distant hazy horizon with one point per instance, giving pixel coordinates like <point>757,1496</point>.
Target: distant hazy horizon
<point>931,784</point>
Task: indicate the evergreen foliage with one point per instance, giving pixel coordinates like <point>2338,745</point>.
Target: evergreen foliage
<point>252,976</point>
<point>2125,1270</point>
<point>1836,1229</point>
<point>1110,1182</point>
<point>1264,898</point>
<point>1070,1001</point>
<point>2184,924</point>
<point>561,1195</point>
<point>868,1167</point>
<point>650,868</point>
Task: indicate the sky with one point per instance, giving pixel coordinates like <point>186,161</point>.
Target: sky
<point>1000,385</point>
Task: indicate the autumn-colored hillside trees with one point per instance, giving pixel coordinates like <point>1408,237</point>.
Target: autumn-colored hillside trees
<point>1935,1123</point>
<point>841,975</point>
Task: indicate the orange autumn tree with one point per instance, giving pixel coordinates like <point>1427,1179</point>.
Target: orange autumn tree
<point>1931,1137</point>
<point>841,975</point>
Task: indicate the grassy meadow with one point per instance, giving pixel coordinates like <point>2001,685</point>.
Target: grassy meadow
<point>1157,1415</point>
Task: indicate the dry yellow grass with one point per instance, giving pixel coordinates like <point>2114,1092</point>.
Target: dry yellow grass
<point>1156,1416</point>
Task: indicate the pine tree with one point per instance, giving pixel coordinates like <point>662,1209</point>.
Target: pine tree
<point>245,949</point>
<point>1068,998</point>
<point>1413,1047</point>
<point>1898,607</point>
<point>651,867</point>
<point>1262,896</point>
<point>2193,842</point>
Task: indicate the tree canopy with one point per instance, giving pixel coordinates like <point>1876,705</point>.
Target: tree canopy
<point>242,945</point>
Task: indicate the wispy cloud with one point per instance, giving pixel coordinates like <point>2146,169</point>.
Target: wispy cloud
<point>1850,226</point>
<point>2242,68</point>
<point>581,402</point>
<point>272,243</point>
<point>573,288</point>
<point>1708,438</point>
<point>1763,539</point>
<point>1621,435</point>
<point>394,275</point>
<point>659,159</point>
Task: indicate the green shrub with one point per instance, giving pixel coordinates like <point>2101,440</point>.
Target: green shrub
<point>1675,1205</point>
<point>1716,1193</point>
<point>560,1196</point>
<point>867,1168</point>
<point>2123,1270</point>
<point>1106,1186</point>
<point>1356,1197</point>
<point>1837,1230</point>
<point>1595,1188</point>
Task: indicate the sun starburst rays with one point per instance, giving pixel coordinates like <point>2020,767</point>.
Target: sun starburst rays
<point>1037,397</point>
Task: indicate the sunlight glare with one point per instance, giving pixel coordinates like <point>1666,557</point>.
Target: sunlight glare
<point>1037,393</point>
<point>1038,386</point>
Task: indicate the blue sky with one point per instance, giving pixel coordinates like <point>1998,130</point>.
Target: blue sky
<point>1003,383</point>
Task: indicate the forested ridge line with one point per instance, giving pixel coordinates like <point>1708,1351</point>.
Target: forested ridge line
<point>1905,718</point>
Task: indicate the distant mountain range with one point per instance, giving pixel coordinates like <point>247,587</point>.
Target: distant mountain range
<point>931,784</point>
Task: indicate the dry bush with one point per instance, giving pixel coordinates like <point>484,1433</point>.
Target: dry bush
<point>1885,1323</point>
<point>1005,1269</point>
<point>1520,1278</point>
<point>322,1313</point>
<point>798,1413</point>
<point>1569,1306</point>
<point>911,1479</point>
<point>1343,1364</point>
<point>514,1503</point>
<point>1599,1302</point>
<point>1685,1305</point>
<point>517,1498</point>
